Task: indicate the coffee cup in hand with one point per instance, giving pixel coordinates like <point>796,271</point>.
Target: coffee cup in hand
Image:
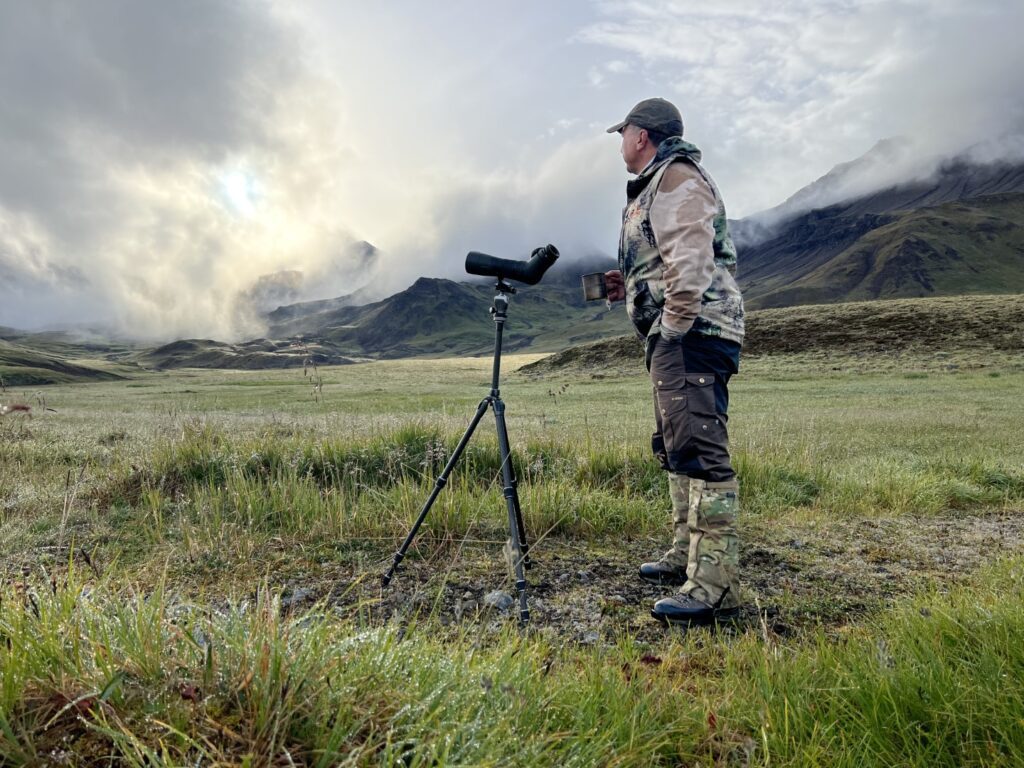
<point>594,287</point>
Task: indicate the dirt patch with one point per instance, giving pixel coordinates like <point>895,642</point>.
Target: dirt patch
<point>796,575</point>
<point>800,576</point>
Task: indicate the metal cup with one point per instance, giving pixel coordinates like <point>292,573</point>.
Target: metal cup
<point>594,287</point>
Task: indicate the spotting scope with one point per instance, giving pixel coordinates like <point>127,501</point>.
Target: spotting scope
<point>529,272</point>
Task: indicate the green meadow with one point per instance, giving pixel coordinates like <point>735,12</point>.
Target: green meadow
<point>190,563</point>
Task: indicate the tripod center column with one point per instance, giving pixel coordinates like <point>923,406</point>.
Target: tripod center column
<point>499,310</point>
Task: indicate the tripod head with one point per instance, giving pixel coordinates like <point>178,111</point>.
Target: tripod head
<point>502,287</point>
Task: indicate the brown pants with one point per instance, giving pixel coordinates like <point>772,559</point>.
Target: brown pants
<point>690,377</point>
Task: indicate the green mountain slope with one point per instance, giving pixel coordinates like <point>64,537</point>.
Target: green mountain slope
<point>956,231</point>
<point>21,366</point>
<point>972,246</point>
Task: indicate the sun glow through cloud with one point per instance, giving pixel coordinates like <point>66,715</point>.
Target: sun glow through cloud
<point>240,191</point>
<point>160,161</point>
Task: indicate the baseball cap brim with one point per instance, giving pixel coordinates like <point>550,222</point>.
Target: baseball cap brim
<point>617,127</point>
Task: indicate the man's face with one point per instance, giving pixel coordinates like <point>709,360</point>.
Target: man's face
<point>633,142</point>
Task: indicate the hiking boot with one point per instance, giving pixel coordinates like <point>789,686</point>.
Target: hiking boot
<point>663,573</point>
<point>687,610</point>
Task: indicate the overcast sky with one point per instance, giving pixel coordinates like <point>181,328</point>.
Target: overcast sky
<point>158,158</point>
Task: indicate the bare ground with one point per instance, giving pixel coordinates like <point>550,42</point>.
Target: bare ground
<point>796,576</point>
<point>797,573</point>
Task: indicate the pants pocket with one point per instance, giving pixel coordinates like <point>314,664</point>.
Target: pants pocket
<point>702,417</point>
<point>672,416</point>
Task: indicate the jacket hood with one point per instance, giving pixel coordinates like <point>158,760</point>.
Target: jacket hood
<point>674,146</point>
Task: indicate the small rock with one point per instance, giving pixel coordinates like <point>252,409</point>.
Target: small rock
<point>563,577</point>
<point>465,608</point>
<point>590,638</point>
<point>498,600</point>
<point>614,604</point>
<point>584,576</point>
<point>298,596</point>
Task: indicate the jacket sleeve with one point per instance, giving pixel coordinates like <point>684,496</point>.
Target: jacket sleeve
<point>682,217</point>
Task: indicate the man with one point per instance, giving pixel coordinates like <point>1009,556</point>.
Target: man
<point>676,273</point>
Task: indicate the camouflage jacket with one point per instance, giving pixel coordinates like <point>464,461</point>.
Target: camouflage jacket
<point>675,253</point>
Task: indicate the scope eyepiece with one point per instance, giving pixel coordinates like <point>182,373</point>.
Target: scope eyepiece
<point>528,272</point>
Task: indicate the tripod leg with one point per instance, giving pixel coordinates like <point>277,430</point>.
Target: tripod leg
<point>441,482</point>
<point>521,526</point>
<point>515,524</point>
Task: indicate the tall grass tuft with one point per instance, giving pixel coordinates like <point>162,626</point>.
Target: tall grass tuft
<point>91,674</point>
<point>373,486</point>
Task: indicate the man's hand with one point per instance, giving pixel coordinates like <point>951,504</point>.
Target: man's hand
<point>615,285</point>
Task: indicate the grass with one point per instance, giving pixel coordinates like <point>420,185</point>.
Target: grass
<point>92,672</point>
<point>188,569</point>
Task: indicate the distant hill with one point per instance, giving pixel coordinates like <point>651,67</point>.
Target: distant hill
<point>25,366</point>
<point>982,330</point>
<point>959,231</point>
<point>250,355</point>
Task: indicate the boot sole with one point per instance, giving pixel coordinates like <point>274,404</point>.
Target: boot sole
<point>659,581</point>
<point>723,616</point>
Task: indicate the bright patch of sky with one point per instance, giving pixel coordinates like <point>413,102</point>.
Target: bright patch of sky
<point>239,190</point>
<point>426,129</point>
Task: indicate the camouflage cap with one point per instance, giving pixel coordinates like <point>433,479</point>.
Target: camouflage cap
<point>656,115</point>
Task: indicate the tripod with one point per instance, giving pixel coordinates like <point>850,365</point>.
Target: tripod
<point>519,548</point>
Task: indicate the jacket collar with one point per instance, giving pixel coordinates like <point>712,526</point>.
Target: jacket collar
<point>673,148</point>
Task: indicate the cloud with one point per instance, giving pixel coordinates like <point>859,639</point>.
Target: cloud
<point>156,159</point>
<point>173,168</point>
<point>509,212</point>
<point>777,95</point>
<point>170,169</point>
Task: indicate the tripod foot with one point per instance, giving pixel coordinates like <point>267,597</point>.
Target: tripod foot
<point>386,577</point>
<point>524,610</point>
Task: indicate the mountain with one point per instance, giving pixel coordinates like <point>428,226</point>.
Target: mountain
<point>304,311</point>
<point>959,230</point>
<point>444,317</point>
<point>974,246</point>
<point>891,176</point>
